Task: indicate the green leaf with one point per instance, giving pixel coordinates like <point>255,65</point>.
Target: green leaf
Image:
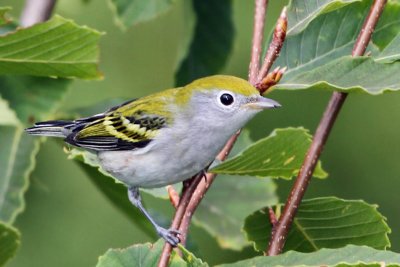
<point>191,259</point>
<point>9,242</point>
<point>224,219</point>
<point>57,47</point>
<point>349,256</point>
<point>17,161</point>
<point>348,74</point>
<point>131,12</point>
<point>3,15</point>
<point>114,190</point>
<point>391,52</point>
<point>326,222</point>
<point>278,155</point>
<point>33,98</point>
<point>8,116</point>
<point>138,255</point>
<point>302,12</point>
<point>209,49</point>
<point>327,39</point>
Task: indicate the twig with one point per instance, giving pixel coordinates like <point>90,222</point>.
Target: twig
<point>198,186</point>
<point>203,185</point>
<point>275,46</point>
<point>260,9</point>
<point>270,80</point>
<point>36,11</point>
<point>280,232</point>
<point>195,198</point>
<point>183,203</point>
<point>173,196</point>
<point>272,217</point>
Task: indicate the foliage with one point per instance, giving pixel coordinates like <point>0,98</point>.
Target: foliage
<point>57,48</point>
<point>3,15</point>
<point>137,255</point>
<point>9,242</point>
<point>37,64</point>
<point>349,256</point>
<point>319,56</point>
<point>326,222</point>
<point>279,155</point>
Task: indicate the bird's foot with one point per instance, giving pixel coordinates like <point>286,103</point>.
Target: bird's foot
<point>203,173</point>
<point>169,235</point>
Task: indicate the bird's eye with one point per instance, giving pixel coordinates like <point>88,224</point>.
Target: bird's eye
<point>226,99</point>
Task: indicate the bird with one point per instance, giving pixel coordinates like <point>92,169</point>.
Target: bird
<point>165,137</point>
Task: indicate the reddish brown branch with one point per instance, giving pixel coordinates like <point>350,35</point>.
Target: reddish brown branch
<point>280,232</point>
<point>183,219</point>
<point>260,9</point>
<point>191,197</point>
<point>272,217</point>
<point>180,211</point>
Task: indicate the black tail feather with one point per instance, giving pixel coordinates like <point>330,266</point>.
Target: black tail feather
<point>51,128</point>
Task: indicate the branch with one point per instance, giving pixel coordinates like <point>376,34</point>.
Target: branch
<point>190,199</point>
<point>260,9</point>
<point>280,232</point>
<point>36,11</point>
<point>180,210</point>
<point>185,210</point>
<point>275,46</point>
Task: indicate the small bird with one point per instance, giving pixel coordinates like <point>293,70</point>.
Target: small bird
<point>166,137</point>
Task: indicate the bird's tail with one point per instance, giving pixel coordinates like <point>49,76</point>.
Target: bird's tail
<point>51,128</point>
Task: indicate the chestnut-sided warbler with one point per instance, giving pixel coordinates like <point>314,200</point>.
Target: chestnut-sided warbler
<point>166,137</point>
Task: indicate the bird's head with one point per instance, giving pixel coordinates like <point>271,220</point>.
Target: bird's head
<point>222,101</point>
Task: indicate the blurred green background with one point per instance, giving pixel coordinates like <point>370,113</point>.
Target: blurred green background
<point>67,222</point>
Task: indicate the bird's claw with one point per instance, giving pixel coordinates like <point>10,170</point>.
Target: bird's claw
<point>170,235</point>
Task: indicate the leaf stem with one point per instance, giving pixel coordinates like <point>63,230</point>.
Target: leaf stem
<point>36,11</point>
<point>280,232</point>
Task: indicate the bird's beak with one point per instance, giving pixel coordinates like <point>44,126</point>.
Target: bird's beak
<point>263,103</point>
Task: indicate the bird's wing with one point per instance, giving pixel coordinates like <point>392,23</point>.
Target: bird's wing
<point>124,127</point>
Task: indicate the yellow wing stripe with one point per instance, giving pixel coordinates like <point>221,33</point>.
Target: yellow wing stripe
<point>130,131</point>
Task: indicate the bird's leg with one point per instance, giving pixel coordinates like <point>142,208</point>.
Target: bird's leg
<point>203,173</point>
<point>169,235</point>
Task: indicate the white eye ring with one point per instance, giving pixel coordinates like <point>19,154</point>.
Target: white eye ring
<point>226,99</point>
